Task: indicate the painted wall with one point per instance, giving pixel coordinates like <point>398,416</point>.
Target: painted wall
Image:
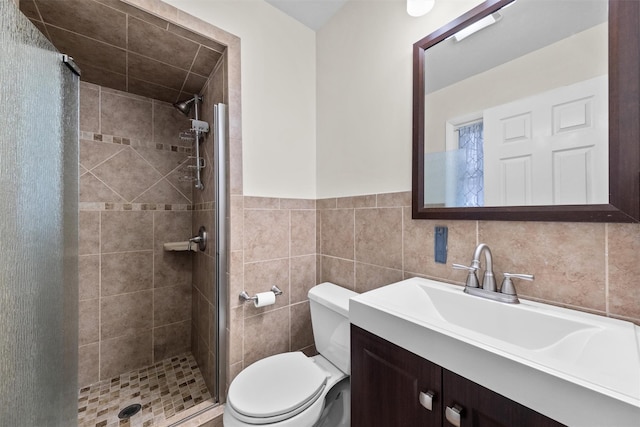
<point>364,95</point>
<point>278,94</point>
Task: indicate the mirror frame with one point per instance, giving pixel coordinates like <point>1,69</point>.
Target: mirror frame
<point>624,128</point>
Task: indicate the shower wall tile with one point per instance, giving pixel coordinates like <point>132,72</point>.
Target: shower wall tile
<point>172,268</point>
<point>140,176</point>
<point>171,340</point>
<point>126,314</point>
<point>93,153</point>
<point>147,39</point>
<point>126,231</point>
<point>89,321</point>
<point>88,233</point>
<point>89,107</point>
<point>171,305</point>
<point>88,366</point>
<point>97,53</point>
<point>125,272</point>
<point>126,121</point>
<point>125,353</point>
<point>162,192</point>
<point>112,22</point>
<point>204,318</point>
<point>168,123</point>
<point>126,116</point>
<point>164,161</point>
<point>203,275</point>
<point>94,190</point>
<point>88,276</point>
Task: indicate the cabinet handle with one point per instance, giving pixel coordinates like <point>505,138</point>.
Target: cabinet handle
<point>426,399</point>
<point>454,414</point>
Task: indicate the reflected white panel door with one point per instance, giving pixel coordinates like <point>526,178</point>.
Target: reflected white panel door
<point>550,148</point>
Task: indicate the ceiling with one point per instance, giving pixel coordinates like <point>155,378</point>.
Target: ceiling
<point>312,13</point>
<point>121,47</point>
<point>525,26</point>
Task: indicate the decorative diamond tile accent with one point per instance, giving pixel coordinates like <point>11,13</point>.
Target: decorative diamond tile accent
<point>164,390</point>
<point>139,176</point>
<point>164,161</point>
<point>93,190</point>
<point>92,153</point>
<point>162,192</point>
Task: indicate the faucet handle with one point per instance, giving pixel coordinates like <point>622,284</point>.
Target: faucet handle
<point>507,285</point>
<point>463,267</point>
<point>472,279</point>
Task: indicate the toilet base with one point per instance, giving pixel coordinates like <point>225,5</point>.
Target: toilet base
<point>337,406</point>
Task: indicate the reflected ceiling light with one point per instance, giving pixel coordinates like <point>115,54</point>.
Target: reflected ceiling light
<point>477,26</point>
<point>419,7</point>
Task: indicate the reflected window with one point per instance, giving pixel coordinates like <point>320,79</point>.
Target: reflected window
<point>470,185</point>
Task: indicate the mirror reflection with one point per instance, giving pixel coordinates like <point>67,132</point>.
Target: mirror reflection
<point>516,108</point>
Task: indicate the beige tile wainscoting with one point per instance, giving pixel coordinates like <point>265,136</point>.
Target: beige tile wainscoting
<point>369,241</point>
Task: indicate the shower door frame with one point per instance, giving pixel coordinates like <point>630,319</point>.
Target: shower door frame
<point>221,200</point>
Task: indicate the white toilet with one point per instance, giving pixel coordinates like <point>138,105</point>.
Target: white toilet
<point>293,390</point>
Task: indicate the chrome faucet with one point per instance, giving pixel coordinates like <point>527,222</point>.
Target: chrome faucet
<point>507,292</point>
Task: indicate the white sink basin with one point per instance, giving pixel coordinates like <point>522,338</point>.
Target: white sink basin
<point>533,328</point>
<point>471,335</point>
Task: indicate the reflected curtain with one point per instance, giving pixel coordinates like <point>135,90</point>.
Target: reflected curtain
<point>470,177</point>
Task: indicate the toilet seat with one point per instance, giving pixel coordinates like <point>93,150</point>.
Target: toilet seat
<point>276,388</point>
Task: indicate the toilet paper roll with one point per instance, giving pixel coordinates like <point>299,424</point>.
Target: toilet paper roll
<point>264,298</point>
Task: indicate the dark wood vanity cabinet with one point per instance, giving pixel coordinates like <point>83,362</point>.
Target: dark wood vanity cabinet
<point>386,382</point>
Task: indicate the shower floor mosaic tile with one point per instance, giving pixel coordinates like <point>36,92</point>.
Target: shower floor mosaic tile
<point>163,390</point>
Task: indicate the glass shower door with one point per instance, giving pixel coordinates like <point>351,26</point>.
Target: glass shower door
<point>38,227</point>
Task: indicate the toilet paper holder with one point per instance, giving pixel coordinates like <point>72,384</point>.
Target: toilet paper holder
<point>244,296</point>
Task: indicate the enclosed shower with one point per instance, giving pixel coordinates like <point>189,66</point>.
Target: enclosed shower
<point>150,342</point>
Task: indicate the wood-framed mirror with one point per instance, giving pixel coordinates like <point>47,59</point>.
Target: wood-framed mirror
<point>435,191</point>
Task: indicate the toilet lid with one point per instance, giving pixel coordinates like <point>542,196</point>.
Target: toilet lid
<point>277,385</point>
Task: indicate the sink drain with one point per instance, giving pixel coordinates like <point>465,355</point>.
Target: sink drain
<point>129,411</point>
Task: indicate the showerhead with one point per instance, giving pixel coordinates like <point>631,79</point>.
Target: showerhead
<point>185,106</point>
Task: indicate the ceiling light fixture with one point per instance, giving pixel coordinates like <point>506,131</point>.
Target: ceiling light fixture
<point>477,26</point>
<point>419,7</point>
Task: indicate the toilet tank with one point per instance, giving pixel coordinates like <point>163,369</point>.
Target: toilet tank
<point>329,305</point>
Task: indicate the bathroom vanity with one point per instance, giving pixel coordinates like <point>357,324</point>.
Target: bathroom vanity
<point>420,344</point>
<point>382,369</point>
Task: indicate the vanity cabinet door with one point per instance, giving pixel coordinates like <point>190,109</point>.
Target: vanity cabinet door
<point>481,407</point>
<point>387,382</point>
